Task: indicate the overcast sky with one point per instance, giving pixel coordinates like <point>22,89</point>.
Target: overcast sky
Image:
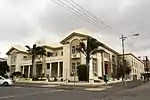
<point>25,21</point>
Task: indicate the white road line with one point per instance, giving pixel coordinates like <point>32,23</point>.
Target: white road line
<point>18,87</point>
<point>95,89</point>
<point>49,85</point>
<point>98,89</point>
<point>28,94</point>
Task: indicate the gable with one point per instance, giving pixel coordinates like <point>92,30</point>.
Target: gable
<point>72,36</point>
<point>14,50</point>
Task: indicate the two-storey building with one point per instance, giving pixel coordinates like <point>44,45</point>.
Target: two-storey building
<point>137,65</point>
<point>62,59</point>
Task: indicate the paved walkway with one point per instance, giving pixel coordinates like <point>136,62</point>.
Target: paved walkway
<point>78,84</point>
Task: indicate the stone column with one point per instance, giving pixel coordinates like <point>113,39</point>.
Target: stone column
<point>23,69</point>
<point>50,67</point>
<point>99,65</point>
<point>103,64</point>
<point>91,80</point>
<point>29,71</point>
<point>58,74</point>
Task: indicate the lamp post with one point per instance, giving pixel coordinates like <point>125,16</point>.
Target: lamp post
<point>123,38</point>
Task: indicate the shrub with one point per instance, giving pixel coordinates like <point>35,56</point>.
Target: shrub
<point>55,79</point>
<point>35,79</point>
<point>24,76</point>
<point>16,74</point>
<point>82,73</point>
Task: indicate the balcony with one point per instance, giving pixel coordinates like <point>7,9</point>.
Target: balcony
<point>26,62</point>
<point>56,58</point>
<point>76,55</point>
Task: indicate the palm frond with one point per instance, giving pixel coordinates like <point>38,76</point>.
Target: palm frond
<point>82,45</point>
<point>34,46</point>
<point>80,49</point>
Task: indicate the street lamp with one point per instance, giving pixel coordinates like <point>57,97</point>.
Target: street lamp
<point>123,38</point>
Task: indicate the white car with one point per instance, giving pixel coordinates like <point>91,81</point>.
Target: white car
<point>5,81</point>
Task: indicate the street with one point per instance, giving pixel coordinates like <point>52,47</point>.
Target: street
<point>103,93</point>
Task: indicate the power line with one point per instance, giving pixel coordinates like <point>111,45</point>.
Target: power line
<point>62,4</point>
<point>111,29</point>
<point>84,12</point>
<point>89,13</point>
<point>78,13</point>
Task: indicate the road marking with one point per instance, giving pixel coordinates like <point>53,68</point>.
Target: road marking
<point>18,87</point>
<point>98,89</point>
<point>49,85</point>
<point>95,89</point>
<point>28,94</point>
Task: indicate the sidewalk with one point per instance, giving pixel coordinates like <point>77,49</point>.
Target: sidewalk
<point>71,84</point>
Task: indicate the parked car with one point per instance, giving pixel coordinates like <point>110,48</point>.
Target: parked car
<point>5,81</point>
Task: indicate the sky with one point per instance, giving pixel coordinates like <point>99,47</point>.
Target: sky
<point>22,22</point>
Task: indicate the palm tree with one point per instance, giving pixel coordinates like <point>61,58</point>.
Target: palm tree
<point>89,50</point>
<point>35,52</point>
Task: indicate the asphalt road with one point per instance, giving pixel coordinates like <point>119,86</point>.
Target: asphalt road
<point>103,93</point>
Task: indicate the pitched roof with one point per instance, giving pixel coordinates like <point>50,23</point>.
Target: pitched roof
<point>48,44</point>
<point>133,56</point>
<point>19,48</point>
<point>86,35</point>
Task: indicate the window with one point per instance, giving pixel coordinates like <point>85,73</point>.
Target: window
<point>95,68</point>
<point>113,59</point>
<point>48,65</point>
<point>51,54</point>
<point>61,53</point>
<point>25,57</point>
<point>1,78</point>
<point>107,55</point>
<point>73,69</point>
<point>48,54</point>
<point>78,64</point>
<point>12,69</point>
<point>56,54</point>
<point>77,50</point>
<point>13,58</point>
<point>73,50</point>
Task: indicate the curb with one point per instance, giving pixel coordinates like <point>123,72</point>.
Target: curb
<point>40,85</point>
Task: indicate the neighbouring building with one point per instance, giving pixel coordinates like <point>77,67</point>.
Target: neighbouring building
<point>146,65</point>
<point>3,59</point>
<point>137,65</point>
<point>62,60</point>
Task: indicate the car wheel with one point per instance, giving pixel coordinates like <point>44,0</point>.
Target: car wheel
<point>5,83</point>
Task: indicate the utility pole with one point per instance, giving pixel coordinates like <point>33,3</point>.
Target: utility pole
<point>146,64</point>
<point>147,68</point>
<point>123,39</point>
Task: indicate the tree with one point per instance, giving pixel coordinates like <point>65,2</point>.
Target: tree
<point>4,68</point>
<point>35,52</point>
<point>124,71</point>
<point>89,50</point>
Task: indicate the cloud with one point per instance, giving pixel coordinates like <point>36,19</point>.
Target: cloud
<point>25,21</point>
